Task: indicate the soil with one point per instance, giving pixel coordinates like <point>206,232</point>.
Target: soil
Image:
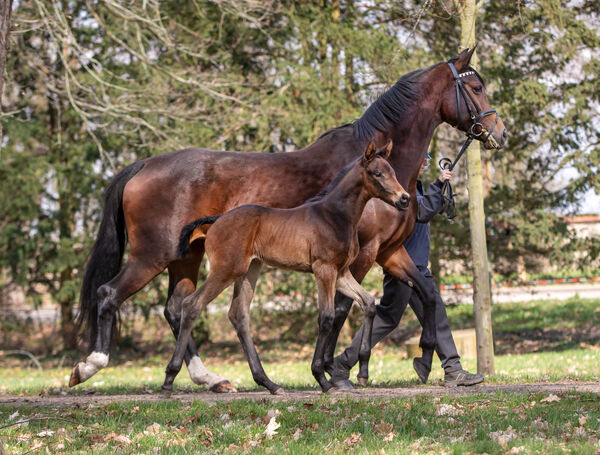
<point>97,399</point>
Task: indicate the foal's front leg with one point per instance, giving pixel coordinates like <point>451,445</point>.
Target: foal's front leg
<point>347,285</point>
<point>326,277</point>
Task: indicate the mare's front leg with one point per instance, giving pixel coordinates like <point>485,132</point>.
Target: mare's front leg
<point>326,276</point>
<point>239,315</point>
<point>192,306</point>
<point>347,285</point>
<point>399,264</point>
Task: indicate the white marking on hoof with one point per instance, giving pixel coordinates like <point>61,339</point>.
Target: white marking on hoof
<point>201,376</point>
<point>94,363</point>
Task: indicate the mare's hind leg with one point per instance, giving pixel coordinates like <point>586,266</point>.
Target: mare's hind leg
<point>239,315</point>
<point>347,285</point>
<point>192,306</point>
<point>182,282</point>
<point>132,277</point>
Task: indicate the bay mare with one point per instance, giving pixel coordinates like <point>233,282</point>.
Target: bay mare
<point>149,202</point>
<point>318,237</point>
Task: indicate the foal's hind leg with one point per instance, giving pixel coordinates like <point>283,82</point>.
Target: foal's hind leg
<point>132,277</point>
<point>239,315</point>
<point>192,306</point>
<point>182,282</point>
<point>347,285</point>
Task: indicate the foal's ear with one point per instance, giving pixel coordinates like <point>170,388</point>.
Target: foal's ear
<point>464,59</point>
<point>386,150</point>
<point>370,153</point>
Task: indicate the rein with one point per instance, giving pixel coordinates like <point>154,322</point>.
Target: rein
<point>475,131</point>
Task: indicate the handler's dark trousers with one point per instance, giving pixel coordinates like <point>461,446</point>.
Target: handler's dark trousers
<point>396,295</point>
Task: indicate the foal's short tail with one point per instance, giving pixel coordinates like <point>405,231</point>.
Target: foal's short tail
<point>106,257</point>
<point>188,229</point>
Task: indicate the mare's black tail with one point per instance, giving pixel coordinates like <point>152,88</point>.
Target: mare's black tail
<point>186,233</point>
<point>106,257</point>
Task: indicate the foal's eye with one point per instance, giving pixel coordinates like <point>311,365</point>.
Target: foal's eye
<point>377,173</point>
<point>478,89</point>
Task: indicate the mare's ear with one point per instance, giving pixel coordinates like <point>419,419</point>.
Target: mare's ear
<point>464,59</point>
<point>386,150</point>
<point>370,153</point>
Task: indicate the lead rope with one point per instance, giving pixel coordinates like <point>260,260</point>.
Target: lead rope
<point>448,204</point>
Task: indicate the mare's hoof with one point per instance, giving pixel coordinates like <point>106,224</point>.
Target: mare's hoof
<point>363,381</point>
<point>342,385</point>
<point>166,391</point>
<point>422,369</point>
<point>278,391</point>
<point>222,387</point>
<point>75,378</point>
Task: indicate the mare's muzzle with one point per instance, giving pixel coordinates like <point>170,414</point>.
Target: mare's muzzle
<point>403,202</point>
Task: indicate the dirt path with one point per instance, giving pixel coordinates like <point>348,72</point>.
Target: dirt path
<point>294,395</point>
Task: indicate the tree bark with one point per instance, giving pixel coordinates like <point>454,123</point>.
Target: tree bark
<point>5,13</point>
<point>482,298</point>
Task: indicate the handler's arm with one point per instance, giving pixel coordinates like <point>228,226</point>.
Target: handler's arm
<point>431,203</point>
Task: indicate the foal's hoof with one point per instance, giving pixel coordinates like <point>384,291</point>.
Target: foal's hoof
<point>222,387</point>
<point>362,381</point>
<point>166,391</point>
<point>278,391</point>
<point>75,377</point>
<point>342,385</point>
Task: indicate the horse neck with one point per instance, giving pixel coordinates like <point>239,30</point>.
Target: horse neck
<point>412,136</point>
<point>349,197</point>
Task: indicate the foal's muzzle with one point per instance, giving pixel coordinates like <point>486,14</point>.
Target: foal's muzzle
<point>403,202</point>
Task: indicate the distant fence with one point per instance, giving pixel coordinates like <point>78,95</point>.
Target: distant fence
<point>449,287</point>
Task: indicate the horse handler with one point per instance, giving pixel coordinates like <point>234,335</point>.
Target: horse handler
<point>397,294</point>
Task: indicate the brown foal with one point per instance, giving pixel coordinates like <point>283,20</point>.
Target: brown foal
<point>317,237</point>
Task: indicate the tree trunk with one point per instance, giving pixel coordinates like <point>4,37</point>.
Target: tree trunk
<point>5,12</point>
<point>482,299</point>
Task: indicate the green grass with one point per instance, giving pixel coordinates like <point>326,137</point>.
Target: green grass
<point>493,423</point>
<point>541,342</point>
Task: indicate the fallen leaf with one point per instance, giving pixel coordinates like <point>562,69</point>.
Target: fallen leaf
<point>122,439</point>
<point>13,416</point>
<point>271,428</point>
<point>296,435</point>
<point>308,405</point>
<point>583,420</point>
<point>515,450</point>
<point>152,429</point>
<point>383,428</point>
<point>550,398</point>
<point>446,410</point>
<point>389,437</point>
<point>503,437</point>
<point>270,414</point>
<point>352,440</point>
<point>291,409</point>
<point>45,433</point>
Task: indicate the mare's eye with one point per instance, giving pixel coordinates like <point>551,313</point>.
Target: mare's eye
<point>478,89</point>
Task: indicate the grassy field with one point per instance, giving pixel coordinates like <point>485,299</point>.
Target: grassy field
<point>539,341</point>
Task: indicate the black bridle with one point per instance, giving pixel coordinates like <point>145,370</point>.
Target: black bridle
<point>475,131</point>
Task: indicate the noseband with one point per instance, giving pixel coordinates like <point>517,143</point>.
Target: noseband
<point>461,90</point>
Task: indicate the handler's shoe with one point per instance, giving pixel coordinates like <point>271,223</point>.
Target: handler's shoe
<point>462,378</point>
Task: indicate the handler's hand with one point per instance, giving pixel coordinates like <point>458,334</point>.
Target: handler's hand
<point>446,175</point>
